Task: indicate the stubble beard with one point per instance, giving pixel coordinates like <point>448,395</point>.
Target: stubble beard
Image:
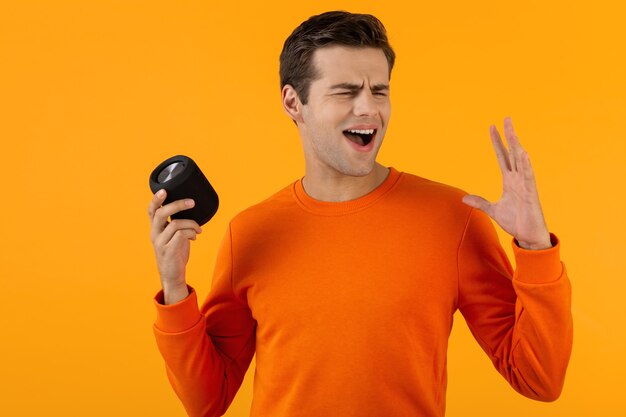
<point>343,160</point>
<point>353,167</point>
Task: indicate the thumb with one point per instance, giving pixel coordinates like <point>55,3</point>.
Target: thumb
<point>477,202</point>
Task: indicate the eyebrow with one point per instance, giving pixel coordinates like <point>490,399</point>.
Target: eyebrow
<point>355,87</point>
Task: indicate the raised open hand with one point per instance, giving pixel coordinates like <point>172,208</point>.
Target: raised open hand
<point>518,210</point>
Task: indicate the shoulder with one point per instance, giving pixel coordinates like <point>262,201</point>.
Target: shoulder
<point>267,210</point>
<point>414,187</point>
<point>431,201</point>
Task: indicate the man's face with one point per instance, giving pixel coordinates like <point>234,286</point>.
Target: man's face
<point>344,122</point>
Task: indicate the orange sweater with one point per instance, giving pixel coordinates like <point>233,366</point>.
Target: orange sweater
<point>349,306</point>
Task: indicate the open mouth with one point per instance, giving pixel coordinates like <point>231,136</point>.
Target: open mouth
<point>361,137</point>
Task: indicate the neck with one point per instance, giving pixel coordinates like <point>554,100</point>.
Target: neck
<point>337,188</point>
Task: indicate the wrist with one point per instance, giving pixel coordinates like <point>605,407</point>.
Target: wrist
<point>539,245</point>
<point>173,293</point>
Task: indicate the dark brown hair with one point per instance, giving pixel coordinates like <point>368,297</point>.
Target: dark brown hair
<point>326,29</point>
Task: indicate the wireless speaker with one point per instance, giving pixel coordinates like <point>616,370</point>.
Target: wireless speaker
<point>181,178</point>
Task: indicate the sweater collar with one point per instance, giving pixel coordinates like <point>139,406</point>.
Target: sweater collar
<point>344,207</point>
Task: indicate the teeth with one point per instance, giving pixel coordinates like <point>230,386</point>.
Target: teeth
<point>362,132</point>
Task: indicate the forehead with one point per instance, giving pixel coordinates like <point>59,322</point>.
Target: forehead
<point>337,64</point>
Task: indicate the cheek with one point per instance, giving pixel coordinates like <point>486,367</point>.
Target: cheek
<point>336,107</point>
<point>385,109</point>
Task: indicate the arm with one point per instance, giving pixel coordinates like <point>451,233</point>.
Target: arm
<point>521,319</point>
<point>206,351</point>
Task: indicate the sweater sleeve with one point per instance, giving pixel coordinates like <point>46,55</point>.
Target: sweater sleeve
<point>521,319</point>
<point>208,350</point>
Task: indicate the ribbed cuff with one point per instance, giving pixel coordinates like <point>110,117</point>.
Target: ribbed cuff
<point>540,266</point>
<point>178,317</point>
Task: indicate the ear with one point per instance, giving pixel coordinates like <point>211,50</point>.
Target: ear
<point>292,103</point>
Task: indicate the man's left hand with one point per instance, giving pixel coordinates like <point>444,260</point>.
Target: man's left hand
<point>518,210</point>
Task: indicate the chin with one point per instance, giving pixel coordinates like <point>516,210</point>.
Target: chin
<point>359,171</point>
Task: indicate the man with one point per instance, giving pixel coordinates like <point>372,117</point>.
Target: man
<point>345,282</point>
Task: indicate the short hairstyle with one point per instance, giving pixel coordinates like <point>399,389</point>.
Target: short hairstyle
<point>327,29</point>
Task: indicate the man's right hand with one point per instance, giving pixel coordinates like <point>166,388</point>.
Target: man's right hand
<point>171,244</point>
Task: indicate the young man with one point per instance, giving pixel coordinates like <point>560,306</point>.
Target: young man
<point>345,282</point>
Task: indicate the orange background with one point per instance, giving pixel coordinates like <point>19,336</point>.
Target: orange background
<point>93,95</point>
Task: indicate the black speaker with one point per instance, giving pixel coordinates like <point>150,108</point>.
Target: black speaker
<point>181,178</point>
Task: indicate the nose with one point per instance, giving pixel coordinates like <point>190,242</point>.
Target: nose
<point>365,103</point>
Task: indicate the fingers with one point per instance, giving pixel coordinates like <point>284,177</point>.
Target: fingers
<point>182,234</point>
<point>520,156</point>
<point>157,200</point>
<point>478,202</point>
<point>511,140</point>
<point>158,214</point>
<point>172,208</point>
<point>188,228</point>
<point>511,159</point>
<point>526,168</point>
<point>515,147</point>
<point>509,132</point>
<point>501,152</point>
